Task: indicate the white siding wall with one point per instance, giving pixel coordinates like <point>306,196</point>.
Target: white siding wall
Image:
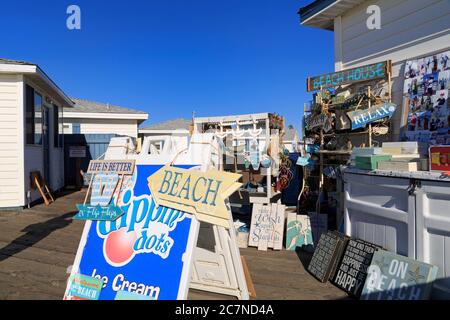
<point>125,127</point>
<point>409,29</point>
<point>11,141</point>
<point>34,155</point>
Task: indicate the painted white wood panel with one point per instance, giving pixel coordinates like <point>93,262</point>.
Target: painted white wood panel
<point>401,23</point>
<point>11,141</point>
<point>124,127</point>
<point>409,29</point>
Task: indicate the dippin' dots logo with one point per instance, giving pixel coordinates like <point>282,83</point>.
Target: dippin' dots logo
<point>73,21</point>
<point>144,228</point>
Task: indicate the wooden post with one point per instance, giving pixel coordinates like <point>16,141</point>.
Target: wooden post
<point>370,124</point>
<point>116,201</point>
<point>268,170</point>
<point>89,188</point>
<point>321,161</point>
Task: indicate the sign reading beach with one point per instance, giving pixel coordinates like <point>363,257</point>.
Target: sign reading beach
<point>200,193</point>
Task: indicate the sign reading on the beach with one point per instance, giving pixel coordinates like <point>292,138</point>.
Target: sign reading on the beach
<point>148,250</point>
<point>117,166</point>
<point>394,277</point>
<point>360,118</point>
<point>83,287</point>
<point>200,193</point>
<point>352,271</point>
<point>326,254</point>
<point>364,73</point>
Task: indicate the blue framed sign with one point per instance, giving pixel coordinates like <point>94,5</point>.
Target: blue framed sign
<point>147,251</point>
<point>360,118</point>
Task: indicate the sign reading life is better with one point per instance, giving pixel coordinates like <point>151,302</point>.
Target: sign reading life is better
<point>117,166</point>
<point>200,193</point>
<point>360,118</point>
<point>364,73</point>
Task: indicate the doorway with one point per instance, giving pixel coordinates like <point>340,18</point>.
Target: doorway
<point>46,143</point>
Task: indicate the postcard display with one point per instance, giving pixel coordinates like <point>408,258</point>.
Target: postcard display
<point>146,218</point>
<point>350,108</point>
<point>426,95</point>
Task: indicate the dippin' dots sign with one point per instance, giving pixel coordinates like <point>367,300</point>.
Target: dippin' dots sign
<point>144,228</point>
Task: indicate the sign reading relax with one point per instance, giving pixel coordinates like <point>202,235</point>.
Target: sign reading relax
<point>200,193</point>
<point>360,118</point>
<point>358,74</point>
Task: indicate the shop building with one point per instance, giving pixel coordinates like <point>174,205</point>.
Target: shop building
<point>408,30</point>
<point>88,117</point>
<point>31,107</point>
<point>172,134</point>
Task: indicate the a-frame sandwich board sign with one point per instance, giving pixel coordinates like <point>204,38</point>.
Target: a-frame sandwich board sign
<point>119,252</point>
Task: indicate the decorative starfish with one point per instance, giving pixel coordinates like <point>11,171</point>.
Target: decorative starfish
<point>415,275</point>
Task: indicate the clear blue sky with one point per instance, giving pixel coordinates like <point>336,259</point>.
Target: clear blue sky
<point>169,58</point>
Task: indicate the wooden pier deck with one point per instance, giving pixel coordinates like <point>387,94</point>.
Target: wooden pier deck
<point>38,245</point>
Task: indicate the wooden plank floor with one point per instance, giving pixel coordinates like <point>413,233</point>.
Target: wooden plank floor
<point>37,245</point>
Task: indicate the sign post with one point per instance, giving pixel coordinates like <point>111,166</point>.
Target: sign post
<point>159,227</point>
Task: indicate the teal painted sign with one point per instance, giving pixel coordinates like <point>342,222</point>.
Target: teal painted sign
<point>90,212</point>
<point>360,118</point>
<point>394,277</point>
<point>358,74</point>
<point>84,287</point>
<point>126,295</point>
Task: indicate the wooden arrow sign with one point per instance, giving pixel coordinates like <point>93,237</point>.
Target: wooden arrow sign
<point>200,193</point>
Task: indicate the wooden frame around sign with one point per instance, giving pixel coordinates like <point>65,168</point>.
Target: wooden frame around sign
<point>387,67</point>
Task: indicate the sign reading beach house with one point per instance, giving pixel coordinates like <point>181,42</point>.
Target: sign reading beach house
<point>364,73</point>
<point>147,251</point>
<point>200,193</point>
<point>360,118</point>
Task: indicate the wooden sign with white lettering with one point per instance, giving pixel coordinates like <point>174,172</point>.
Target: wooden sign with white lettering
<point>360,118</point>
<point>395,277</point>
<point>369,72</point>
<point>267,226</point>
<point>352,270</point>
<point>326,253</point>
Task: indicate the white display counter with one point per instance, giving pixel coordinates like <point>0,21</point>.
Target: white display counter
<point>404,212</point>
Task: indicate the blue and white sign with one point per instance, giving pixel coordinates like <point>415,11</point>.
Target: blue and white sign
<point>147,251</point>
<point>360,118</point>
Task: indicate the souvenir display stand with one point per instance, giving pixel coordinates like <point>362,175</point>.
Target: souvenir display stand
<point>249,145</point>
<point>341,117</point>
